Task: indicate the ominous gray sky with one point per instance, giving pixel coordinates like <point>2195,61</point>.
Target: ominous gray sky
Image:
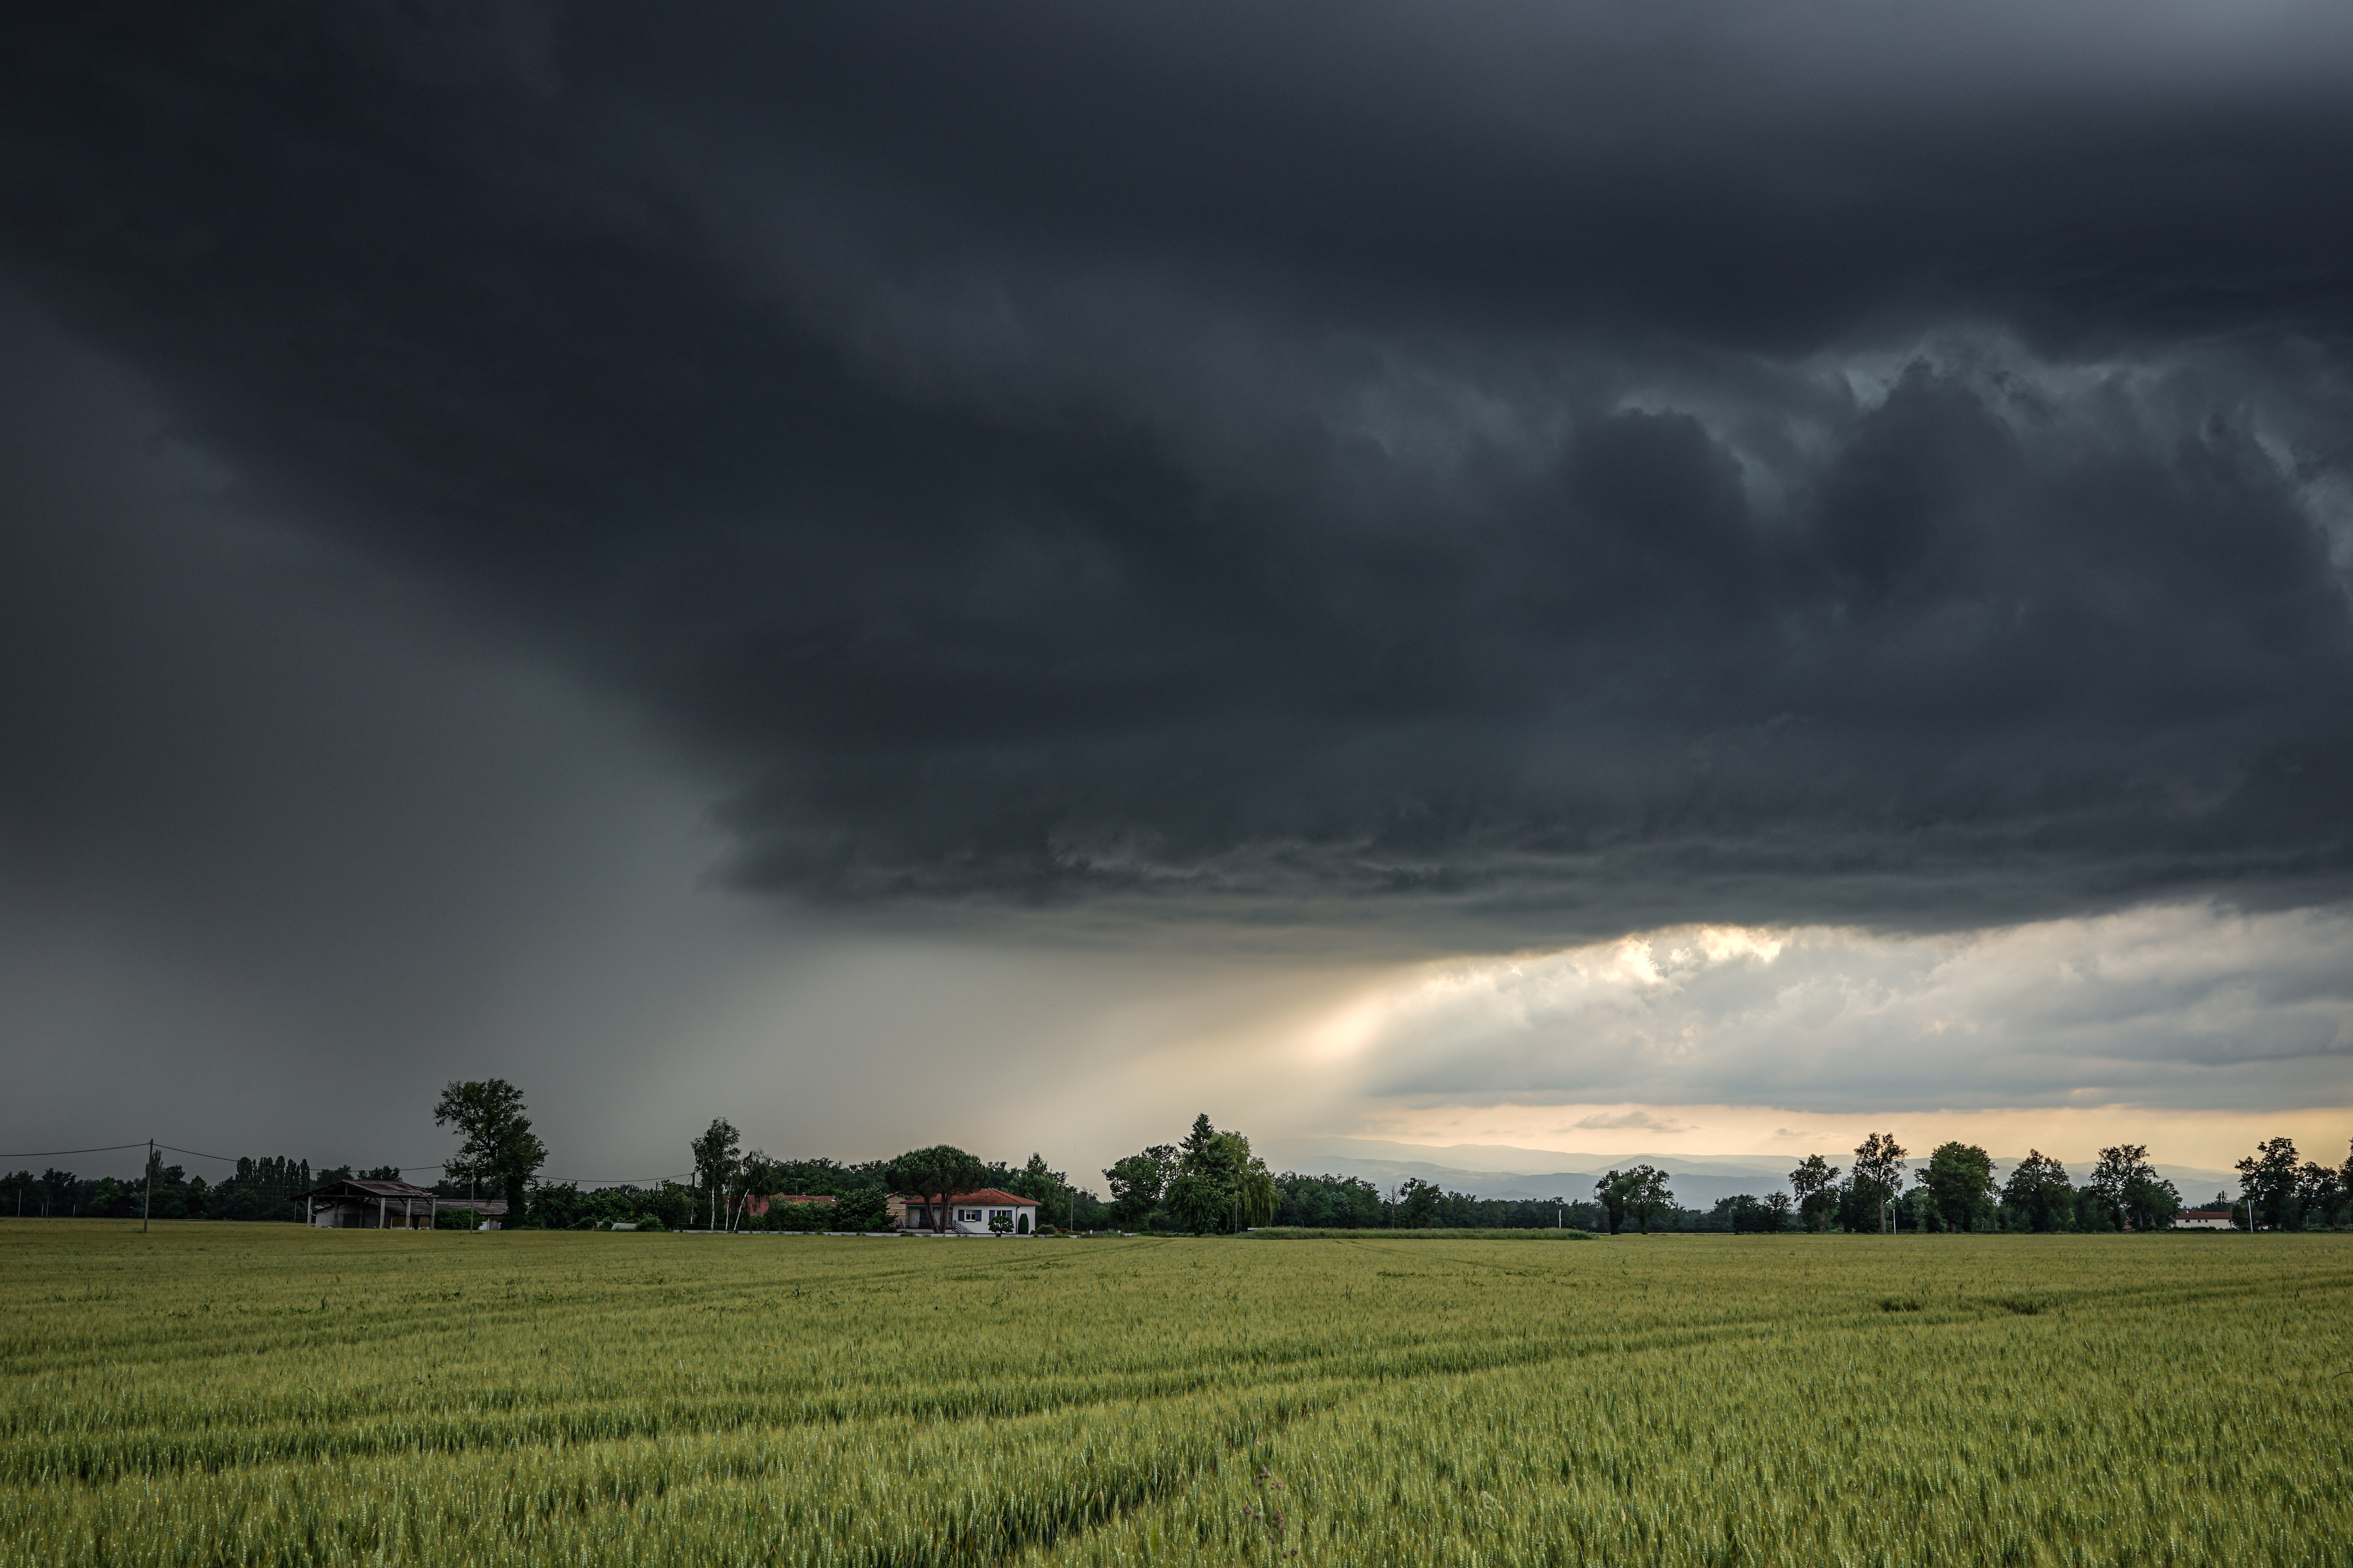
<point>990,573</point>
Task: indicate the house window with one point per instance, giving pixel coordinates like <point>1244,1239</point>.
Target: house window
<point>1001,1213</point>
<point>971,1215</point>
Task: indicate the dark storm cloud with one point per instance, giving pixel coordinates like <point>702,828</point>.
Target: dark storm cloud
<point>1585,468</point>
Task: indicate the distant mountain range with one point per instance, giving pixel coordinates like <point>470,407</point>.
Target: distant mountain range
<point>1501,1171</point>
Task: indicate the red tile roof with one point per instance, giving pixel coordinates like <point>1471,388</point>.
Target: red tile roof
<point>985,1195</point>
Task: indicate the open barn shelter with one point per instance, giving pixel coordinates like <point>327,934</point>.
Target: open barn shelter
<point>369,1205</point>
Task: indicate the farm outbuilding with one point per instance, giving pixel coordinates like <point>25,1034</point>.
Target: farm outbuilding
<point>964,1214</point>
<point>369,1205</point>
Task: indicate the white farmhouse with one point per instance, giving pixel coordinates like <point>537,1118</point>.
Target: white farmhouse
<point>964,1214</point>
<point>2204,1219</point>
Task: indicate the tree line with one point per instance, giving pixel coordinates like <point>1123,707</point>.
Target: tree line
<point>500,1157</point>
<point>733,1188</point>
<point>1210,1182</point>
<point>256,1189</point>
<point>1955,1190</point>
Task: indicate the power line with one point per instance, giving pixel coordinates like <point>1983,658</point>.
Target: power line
<point>233,1159</point>
<point>108,1149</point>
<point>574,1180</point>
<point>443,1166</point>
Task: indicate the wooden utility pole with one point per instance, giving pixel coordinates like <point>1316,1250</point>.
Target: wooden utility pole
<point>148,1202</point>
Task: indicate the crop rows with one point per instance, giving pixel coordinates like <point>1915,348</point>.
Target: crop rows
<point>271,1395</point>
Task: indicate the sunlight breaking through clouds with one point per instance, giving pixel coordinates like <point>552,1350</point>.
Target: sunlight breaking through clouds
<point>2161,1006</point>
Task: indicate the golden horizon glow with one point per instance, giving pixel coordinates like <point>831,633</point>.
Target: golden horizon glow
<point>2073,1134</point>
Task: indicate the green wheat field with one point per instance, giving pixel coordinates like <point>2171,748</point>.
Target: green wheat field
<point>261,1393</point>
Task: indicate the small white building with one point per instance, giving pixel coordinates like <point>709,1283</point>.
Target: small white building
<point>2204,1219</point>
<point>964,1214</point>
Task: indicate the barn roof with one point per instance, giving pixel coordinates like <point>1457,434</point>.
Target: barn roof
<point>351,1189</point>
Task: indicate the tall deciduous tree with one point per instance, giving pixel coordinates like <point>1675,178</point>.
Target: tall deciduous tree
<point>1197,1201</point>
<point>1610,1192</point>
<point>1876,1181</point>
<point>1413,1205</point>
<point>1959,1183</point>
<point>2318,1194</point>
<point>2038,1196</point>
<point>499,1148</point>
<point>2267,1178</point>
<point>2113,1172</point>
<point>714,1160</point>
<point>1250,1189</point>
<point>1137,1182</point>
<point>1815,1182</point>
<point>756,1176</point>
<point>935,1175</point>
<point>1880,1158</point>
<point>2130,1186</point>
<point>1641,1192</point>
<point>1257,1195</point>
